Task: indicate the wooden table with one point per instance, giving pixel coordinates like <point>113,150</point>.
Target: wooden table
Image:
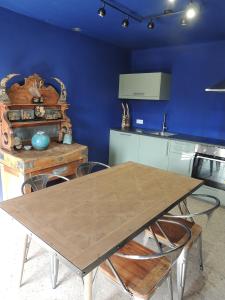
<point>87,219</point>
<point>17,166</point>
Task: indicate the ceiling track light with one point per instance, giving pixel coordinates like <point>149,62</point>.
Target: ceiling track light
<point>192,10</point>
<point>125,23</point>
<point>183,21</point>
<point>127,12</point>
<point>151,25</point>
<point>102,11</point>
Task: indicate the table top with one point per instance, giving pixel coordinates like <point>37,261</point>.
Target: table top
<point>86,219</point>
<point>33,160</point>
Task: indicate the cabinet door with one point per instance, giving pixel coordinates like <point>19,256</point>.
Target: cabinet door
<point>153,152</point>
<point>123,147</point>
<point>180,163</point>
<point>140,86</point>
<point>181,155</point>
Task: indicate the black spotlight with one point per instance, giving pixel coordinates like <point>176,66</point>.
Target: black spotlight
<point>125,23</point>
<point>151,25</point>
<point>102,11</point>
<point>183,21</point>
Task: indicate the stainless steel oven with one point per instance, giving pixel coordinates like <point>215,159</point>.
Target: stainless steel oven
<point>209,165</point>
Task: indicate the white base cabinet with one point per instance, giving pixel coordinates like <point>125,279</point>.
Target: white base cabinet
<point>123,147</point>
<point>153,152</point>
<point>162,153</point>
<point>172,155</point>
<point>181,156</point>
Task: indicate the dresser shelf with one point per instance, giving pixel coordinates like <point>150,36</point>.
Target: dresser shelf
<point>35,123</point>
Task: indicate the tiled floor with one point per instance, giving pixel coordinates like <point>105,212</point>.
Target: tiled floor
<point>208,285</point>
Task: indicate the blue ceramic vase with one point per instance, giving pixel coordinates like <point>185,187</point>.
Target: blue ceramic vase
<point>40,140</point>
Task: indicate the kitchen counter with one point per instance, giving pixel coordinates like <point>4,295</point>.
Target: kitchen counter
<point>176,136</point>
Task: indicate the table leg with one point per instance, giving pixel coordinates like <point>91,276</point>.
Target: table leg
<point>54,269</point>
<point>23,258</point>
<point>88,286</point>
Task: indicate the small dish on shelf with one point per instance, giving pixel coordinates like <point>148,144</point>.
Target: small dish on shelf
<point>27,147</point>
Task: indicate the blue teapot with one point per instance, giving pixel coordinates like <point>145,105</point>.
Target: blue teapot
<point>40,140</point>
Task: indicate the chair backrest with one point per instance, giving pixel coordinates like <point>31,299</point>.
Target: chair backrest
<point>90,167</point>
<point>39,182</point>
<point>186,214</point>
<point>162,251</point>
<point>155,255</point>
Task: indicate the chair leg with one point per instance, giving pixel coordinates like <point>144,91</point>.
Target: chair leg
<point>54,269</point>
<point>170,285</point>
<point>24,257</point>
<point>200,252</point>
<point>181,272</point>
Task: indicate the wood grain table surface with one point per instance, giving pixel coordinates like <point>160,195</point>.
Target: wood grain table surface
<point>33,160</point>
<point>87,219</point>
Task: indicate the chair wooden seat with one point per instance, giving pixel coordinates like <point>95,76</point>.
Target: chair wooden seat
<point>175,233</point>
<point>141,277</point>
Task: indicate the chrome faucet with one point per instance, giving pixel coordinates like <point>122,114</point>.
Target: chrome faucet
<point>164,126</point>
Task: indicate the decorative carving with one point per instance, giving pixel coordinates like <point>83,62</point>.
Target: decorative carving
<point>14,115</point>
<point>7,137</point>
<point>3,93</point>
<point>125,117</point>
<point>27,114</point>
<point>39,111</point>
<point>63,93</point>
<point>32,90</point>
<point>30,106</point>
<point>53,114</point>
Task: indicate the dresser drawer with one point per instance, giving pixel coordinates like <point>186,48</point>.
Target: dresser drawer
<point>62,170</point>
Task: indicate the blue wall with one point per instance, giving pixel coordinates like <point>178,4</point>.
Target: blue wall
<point>191,110</point>
<point>88,67</point>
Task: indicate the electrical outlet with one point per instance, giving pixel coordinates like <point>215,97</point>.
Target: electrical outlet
<point>139,121</point>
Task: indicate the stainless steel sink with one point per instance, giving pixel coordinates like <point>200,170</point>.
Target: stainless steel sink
<point>160,133</point>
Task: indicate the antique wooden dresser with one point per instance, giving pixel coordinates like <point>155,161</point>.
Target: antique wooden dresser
<point>25,109</point>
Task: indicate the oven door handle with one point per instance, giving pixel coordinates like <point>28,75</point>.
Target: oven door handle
<point>213,159</point>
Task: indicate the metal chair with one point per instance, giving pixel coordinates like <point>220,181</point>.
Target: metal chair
<point>90,167</point>
<point>167,234</point>
<point>33,184</point>
<point>140,270</point>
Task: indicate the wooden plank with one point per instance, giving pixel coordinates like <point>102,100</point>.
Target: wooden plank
<point>141,277</point>
<point>63,170</point>
<point>87,218</point>
<point>35,123</point>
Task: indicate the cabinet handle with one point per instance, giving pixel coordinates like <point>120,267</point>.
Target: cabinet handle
<point>138,93</point>
<point>127,134</point>
<point>209,158</point>
<point>167,149</point>
<point>190,167</point>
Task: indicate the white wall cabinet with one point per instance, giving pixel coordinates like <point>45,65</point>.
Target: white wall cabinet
<point>145,86</point>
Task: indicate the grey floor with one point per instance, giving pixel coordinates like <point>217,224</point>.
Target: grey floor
<point>207,285</point>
